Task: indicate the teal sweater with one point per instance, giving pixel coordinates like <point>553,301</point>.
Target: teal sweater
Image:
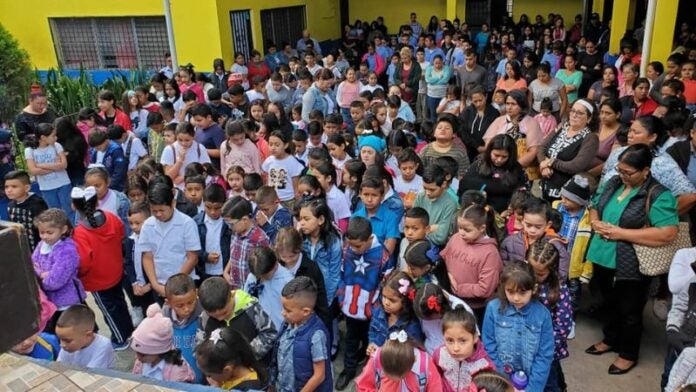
<point>442,212</point>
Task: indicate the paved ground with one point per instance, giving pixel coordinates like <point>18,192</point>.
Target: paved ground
<point>583,372</point>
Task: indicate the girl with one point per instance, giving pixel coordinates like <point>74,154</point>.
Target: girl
<point>554,294</point>
<point>352,178</point>
<point>56,262</point>
<point>48,163</point>
<point>136,188</point>
<point>110,112</point>
<point>472,257</point>
<point>462,356</point>
<point>187,81</point>
<point>173,95</point>
<point>282,168</point>
<point>253,133</point>
<point>514,213</point>
<point>397,141</point>
<point>137,115</point>
<point>155,355</point>
<point>256,111</point>
<point>99,236</point>
<point>399,366</point>
<point>337,201</point>
<point>266,281</point>
<point>110,200</point>
<point>420,258</point>
<point>536,224</point>
<point>408,182</point>
<point>394,312</point>
<point>227,361</point>
<point>430,303</point>
<point>516,319</point>
<point>451,102</point>
<point>371,85</point>
<point>490,381</point>
<point>239,72</point>
<point>296,113</point>
<point>88,119</point>
<point>338,149</point>
<point>371,148</point>
<point>235,181</point>
<point>75,147</point>
<point>184,151</point>
<point>347,92</point>
<point>238,150</point>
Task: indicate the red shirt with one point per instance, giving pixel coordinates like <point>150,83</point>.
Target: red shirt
<point>260,69</point>
<point>690,91</point>
<point>120,118</point>
<point>101,253</point>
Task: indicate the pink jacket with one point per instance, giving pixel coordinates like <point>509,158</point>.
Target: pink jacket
<point>366,382</point>
<point>457,375</point>
<point>474,269</point>
<point>171,372</point>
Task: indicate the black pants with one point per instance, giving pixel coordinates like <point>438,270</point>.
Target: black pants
<point>112,304</point>
<point>356,343</point>
<point>625,300</point>
<point>138,301</point>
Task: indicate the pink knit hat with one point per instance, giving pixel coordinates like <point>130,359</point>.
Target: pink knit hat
<point>154,334</point>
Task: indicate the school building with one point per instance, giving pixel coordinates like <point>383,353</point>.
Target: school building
<point>124,34</point>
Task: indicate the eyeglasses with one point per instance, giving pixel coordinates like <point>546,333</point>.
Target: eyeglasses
<point>577,112</point>
<point>625,173</point>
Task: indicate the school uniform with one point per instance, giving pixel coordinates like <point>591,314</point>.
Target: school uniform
<point>214,236</point>
<point>268,293</point>
<point>97,355</point>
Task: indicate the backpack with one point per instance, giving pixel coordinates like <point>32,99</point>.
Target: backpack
<point>419,368</point>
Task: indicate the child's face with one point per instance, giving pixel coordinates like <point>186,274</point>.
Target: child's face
<point>420,57</point>
<point>325,181</point>
<point>148,358</point>
<point>16,189</point>
<point>371,198</point>
<point>50,234</point>
<point>135,221</point>
<point>169,137</point>
<point>268,208</point>
<point>350,76</point>
<point>372,80</point>
<point>184,304</point>
<point>381,115</point>
<point>356,114</point>
<point>74,338</point>
<point>569,204</point>
<point>434,191</point>
<point>236,182</point>
<point>534,226</point>
<point>408,170</point>
<point>276,146</point>
<point>224,313</point>
<point>293,312</point>
<point>238,139</point>
<point>330,129</point>
<point>359,246</point>
<point>444,132</point>
<point>687,71</point>
<point>194,193</point>
<point>185,140</point>
<point>469,231</point>
<point>203,122</point>
<point>162,212</point>
<point>391,301</point>
<point>368,155</point>
<point>213,209</point>
<point>364,70</point>
<point>545,112</point>
<point>516,297</point>
<point>337,151</point>
<point>414,229</point>
<point>459,342</point>
<point>499,157</point>
<point>239,226</point>
<point>250,194</point>
<point>100,185</point>
<point>541,272</point>
<point>347,179</point>
<point>315,140</point>
<point>256,112</point>
<point>136,195</point>
<point>306,190</point>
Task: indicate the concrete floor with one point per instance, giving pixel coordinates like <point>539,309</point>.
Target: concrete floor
<point>583,372</point>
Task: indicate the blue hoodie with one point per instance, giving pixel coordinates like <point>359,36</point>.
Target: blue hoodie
<point>115,163</point>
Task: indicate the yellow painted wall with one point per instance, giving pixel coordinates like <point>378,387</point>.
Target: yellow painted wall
<point>395,13</point>
<point>567,8</point>
<point>665,18</point>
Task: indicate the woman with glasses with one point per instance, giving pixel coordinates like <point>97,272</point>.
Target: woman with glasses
<point>630,208</point>
<point>569,150</point>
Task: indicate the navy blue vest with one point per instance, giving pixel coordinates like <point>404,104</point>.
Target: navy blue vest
<point>302,355</point>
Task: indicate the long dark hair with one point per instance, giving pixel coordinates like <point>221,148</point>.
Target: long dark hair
<point>87,208</point>
<point>231,348</point>
<point>506,143</point>
<point>327,231</point>
<point>545,253</point>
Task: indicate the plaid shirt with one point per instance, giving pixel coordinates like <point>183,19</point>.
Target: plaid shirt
<point>570,225</point>
<point>240,250</point>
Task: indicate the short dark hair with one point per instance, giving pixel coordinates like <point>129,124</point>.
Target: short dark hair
<point>202,110</point>
<point>115,132</point>
<point>418,213</point>
<point>252,182</point>
<point>214,193</point>
<point>237,208</point>
<point>19,175</point>
<point>179,284</point>
<point>301,288</point>
<point>214,94</point>
<point>434,174</point>
<point>359,228</point>
<point>236,90</point>
<point>160,194</point>
<point>214,294</point>
<point>96,137</point>
<point>139,207</point>
<point>154,118</point>
<point>77,316</point>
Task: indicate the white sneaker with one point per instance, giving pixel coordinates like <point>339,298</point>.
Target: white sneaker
<point>136,316</point>
<point>571,334</point>
<point>660,309</point>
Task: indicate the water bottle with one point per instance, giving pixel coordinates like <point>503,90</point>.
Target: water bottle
<point>519,380</point>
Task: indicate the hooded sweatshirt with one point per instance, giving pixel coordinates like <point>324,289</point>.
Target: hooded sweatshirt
<point>101,253</point>
<point>474,268</point>
<point>457,375</point>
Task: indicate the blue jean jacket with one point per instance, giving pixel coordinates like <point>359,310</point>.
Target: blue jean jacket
<point>329,258</point>
<point>520,340</point>
<point>379,327</point>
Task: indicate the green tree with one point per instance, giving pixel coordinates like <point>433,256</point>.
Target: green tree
<point>15,76</point>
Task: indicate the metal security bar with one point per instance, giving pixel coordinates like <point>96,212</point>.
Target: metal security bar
<point>241,32</point>
<point>103,43</point>
<point>282,24</point>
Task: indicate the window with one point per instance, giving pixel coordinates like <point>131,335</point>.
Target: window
<point>282,24</point>
<point>98,43</point>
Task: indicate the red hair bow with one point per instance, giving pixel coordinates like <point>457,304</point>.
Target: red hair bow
<point>433,304</point>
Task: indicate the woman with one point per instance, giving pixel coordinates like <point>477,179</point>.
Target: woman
<point>629,73</point>
<point>496,172</point>
<point>257,67</point>
<point>619,220</point>
<point>35,113</point>
<point>75,147</point>
<point>522,128</point>
<point>609,79</point>
<point>609,126</point>
<point>530,62</point>
<point>571,77</point>
<point>437,76</point>
<point>568,151</point>
<point>546,86</point>
<point>474,120</point>
<point>639,104</point>
<point>513,79</point>
<point>317,97</point>
<point>407,75</point>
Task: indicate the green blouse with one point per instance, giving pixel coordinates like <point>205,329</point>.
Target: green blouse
<point>663,212</point>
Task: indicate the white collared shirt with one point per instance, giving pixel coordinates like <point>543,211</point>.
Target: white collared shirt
<point>156,372</point>
<point>212,244</point>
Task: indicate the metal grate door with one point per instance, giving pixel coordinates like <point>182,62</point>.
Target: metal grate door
<point>241,32</point>
<point>477,13</point>
<point>283,25</point>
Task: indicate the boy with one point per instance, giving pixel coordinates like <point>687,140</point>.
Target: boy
<point>246,235</point>
<point>155,141</point>
<point>238,102</point>
<point>499,100</point>
<point>193,191</point>
<point>238,310</point>
<point>109,154</point>
<point>357,114</point>
<point>299,139</point>
<point>332,125</point>
<point>416,227</point>
<point>271,216</point>
<point>182,307</point>
<point>421,106</point>
<point>169,135</point>
<point>365,262</point>
<point>218,107</point>
<point>80,345</point>
<point>279,93</point>
<point>256,93</point>
<point>302,333</point>
<point>168,239</point>
<point>167,111</point>
<point>384,220</point>
<point>133,148</point>
<point>451,168</point>
<point>408,183</point>
<point>213,233</point>
<point>316,135</point>
<point>441,207</point>
<point>252,183</point>
<point>135,283</point>
<point>24,206</point>
<point>208,132</point>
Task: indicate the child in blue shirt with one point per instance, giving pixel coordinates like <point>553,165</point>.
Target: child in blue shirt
<point>110,154</point>
<point>384,220</point>
<point>528,345</point>
<point>40,346</point>
<point>266,280</point>
<point>213,233</point>
<point>271,216</point>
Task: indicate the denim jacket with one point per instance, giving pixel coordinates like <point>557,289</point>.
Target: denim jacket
<point>520,340</point>
<point>379,327</point>
<point>329,258</point>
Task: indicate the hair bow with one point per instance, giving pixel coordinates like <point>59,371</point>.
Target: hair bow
<point>87,193</point>
<point>404,284</point>
<point>433,304</point>
<point>400,336</point>
<point>216,336</point>
<point>433,254</point>
<point>412,294</point>
<point>256,289</point>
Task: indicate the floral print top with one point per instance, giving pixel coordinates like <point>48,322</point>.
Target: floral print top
<point>561,318</point>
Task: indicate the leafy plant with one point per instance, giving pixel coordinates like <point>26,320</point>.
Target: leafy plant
<point>67,95</point>
<point>15,76</point>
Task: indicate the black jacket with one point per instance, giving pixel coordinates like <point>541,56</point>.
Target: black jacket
<point>225,238</point>
<point>472,128</point>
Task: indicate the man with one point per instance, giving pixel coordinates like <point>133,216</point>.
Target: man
<point>302,45</point>
<point>384,51</point>
<point>416,28</point>
<point>431,50</point>
<point>167,69</point>
<point>471,74</point>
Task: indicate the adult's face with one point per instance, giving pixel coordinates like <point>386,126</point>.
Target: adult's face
<point>437,63</point>
<point>512,108</point>
<point>631,176</point>
<point>38,104</point>
<point>579,116</point>
<point>608,116</point>
<point>641,92</point>
<point>638,134</point>
<point>590,48</point>
<point>470,61</point>
<point>543,76</point>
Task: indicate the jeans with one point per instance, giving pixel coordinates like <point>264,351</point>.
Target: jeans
<point>432,103</point>
<point>421,108</point>
<point>60,198</point>
<point>356,343</point>
<point>112,304</point>
<point>556,381</point>
<point>347,119</point>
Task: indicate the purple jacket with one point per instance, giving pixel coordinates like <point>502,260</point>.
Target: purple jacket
<point>61,284</point>
<point>513,249</point>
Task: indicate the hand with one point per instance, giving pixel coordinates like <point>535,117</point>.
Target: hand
<point>43,275</point>
<point>261,218</point>
<point>433,228</point>
<point>213,257</point>
<point>212,382</point>
<point>371,349</point>
<point>158,288</point>
<point>677,339</point>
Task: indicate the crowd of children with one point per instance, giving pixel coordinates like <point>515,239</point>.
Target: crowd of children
<point>247,220</point>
